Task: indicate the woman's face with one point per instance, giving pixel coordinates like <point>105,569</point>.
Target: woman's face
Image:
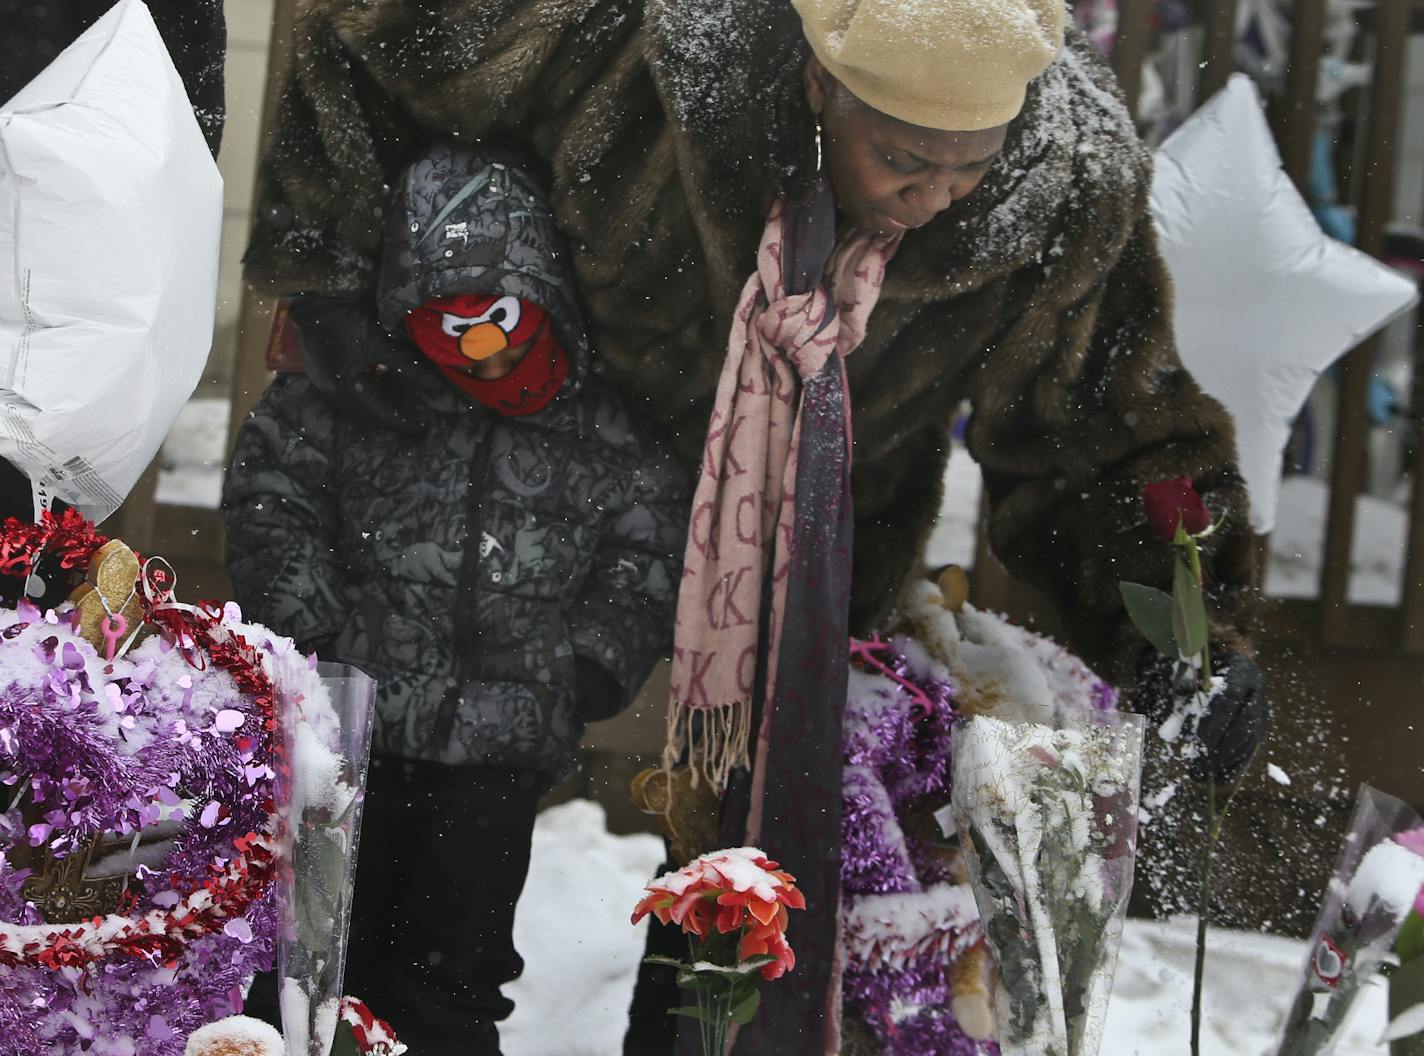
<point>889,176</point>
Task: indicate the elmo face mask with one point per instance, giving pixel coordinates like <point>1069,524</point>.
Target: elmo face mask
<point>464,329</point>
<point>472,340</point>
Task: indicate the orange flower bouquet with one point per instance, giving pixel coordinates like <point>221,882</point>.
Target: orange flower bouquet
<point>733,906</point>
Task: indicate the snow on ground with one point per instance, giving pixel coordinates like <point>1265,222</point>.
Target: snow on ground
<point>1250,982</point>
<point>194,454</point>
<point>582,956</point>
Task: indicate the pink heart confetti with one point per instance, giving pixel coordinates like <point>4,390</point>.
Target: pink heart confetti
<point>238,929</point>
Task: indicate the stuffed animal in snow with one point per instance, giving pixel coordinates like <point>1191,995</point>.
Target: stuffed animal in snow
<point>998,668</point>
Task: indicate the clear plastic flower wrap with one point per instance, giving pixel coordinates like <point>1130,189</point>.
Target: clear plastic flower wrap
<point>328,722</point>
<point>1376,883</point>
<point>1047,819</point>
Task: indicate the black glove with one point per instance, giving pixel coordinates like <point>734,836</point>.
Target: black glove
<point>1236,718</point>
<point>349,356</point>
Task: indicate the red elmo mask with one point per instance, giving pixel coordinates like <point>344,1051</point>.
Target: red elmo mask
<point>460,331</point>
<point>463,329</point>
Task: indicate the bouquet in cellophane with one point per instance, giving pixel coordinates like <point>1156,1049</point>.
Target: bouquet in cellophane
<point>1372,893</point>
<point>1047,819</point>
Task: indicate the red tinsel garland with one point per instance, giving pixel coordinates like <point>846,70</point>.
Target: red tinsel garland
<point>70,537</point>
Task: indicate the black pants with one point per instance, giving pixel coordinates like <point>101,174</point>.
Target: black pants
<point>443,858</point>
<point>652,1030</point>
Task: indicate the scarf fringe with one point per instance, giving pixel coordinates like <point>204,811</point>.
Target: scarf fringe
<point>715,741</point>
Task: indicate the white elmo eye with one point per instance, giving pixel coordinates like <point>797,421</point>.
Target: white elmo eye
<point>504,313</point>
<point>455,325</point>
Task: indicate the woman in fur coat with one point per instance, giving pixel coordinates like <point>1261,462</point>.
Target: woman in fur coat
<point>994,152</point>
<point>1034,289</point>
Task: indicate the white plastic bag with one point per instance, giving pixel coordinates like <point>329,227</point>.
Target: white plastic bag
<point>1265,300</point>
<point>110,217</point>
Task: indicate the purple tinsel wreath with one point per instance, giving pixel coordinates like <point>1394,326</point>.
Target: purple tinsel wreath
<point>142,744</point>
<point>898,740</point>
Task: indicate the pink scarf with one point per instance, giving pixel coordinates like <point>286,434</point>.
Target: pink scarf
<point>744,508</point>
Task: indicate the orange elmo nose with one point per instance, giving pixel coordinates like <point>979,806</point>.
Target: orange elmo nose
<point>483,340</point>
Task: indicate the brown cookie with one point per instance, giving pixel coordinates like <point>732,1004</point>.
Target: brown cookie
<point>110,588</point>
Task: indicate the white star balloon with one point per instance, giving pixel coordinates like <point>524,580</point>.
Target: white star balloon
<point>1265,300</point>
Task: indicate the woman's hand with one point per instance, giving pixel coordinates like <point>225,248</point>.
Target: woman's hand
<point>1236,717</point>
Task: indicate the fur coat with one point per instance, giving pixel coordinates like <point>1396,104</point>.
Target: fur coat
<point>667,128</point>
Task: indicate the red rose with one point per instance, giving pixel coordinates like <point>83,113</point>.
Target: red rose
<point>1173,502</point>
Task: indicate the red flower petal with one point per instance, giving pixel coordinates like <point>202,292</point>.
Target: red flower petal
<point>1172,502</point>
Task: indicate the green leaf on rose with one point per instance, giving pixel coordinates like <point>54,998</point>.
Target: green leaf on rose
<point>315,920</point>
<point>1189,625</point>
<point>1151,610</point>
<point>745,1010</point>
<point>1410,944</point>
<point>693,1012</point>
<point>344,1042</point>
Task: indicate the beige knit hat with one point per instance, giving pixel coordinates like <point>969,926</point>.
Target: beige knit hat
<point>957,65</point>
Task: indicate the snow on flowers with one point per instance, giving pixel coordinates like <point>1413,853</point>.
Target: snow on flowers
<point>1048,821</point>
<point>373,1036</point>
<point>731,892</point>
<point>1369,903</point>
<point>365,1035</point>
<point>734,907</point>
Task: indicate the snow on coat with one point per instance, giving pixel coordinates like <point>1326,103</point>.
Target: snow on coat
<point>488,572</point>
<point>669,126</point>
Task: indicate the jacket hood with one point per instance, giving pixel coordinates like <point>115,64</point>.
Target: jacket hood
<point>466,221</point>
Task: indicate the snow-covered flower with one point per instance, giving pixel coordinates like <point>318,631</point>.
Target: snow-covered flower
<point>1368,908</point>
<point>1047,819</point>
<point>731,891</point>
<point>734,905</point>
<point>236,1036</point>
<point>1413,840</point>
<point>373,1036</point>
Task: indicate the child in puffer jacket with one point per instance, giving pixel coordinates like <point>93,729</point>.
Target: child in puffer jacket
<point>501,552</point>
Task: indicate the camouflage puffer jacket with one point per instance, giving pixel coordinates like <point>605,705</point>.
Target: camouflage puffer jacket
<point>504,579</point>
